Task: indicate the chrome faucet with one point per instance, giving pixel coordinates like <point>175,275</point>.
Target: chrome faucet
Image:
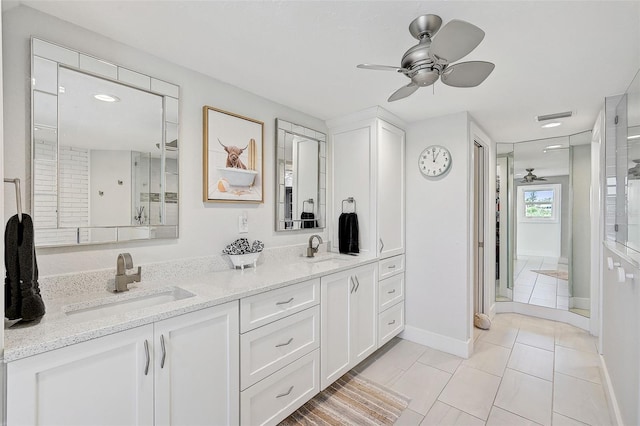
<point>122,279</point>
<point>311,250</point>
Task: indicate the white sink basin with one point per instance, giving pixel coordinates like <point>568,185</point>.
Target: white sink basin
<point>328,258</point>
<point>126,302</point>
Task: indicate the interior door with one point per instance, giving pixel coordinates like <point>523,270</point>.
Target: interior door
<point>478,225</point>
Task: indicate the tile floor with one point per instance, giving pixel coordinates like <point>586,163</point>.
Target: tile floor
<point>525,371</point>
<point>539,289</point>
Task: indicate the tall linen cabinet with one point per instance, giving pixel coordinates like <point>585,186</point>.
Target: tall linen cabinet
<point>367,162</point>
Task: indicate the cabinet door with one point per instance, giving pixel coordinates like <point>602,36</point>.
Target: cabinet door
<point>198,384</point>
<point>364,313</point>
<point>335,335</point>
<point>352,154</point>
<point>98,382</point>
<point>390,195</point>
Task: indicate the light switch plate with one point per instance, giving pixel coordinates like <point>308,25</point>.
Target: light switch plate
<point>243,224</point>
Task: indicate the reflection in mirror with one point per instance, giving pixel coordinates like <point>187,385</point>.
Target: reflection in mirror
<point>543,225</point>
<point>301,169</point>
<point>105,151</point>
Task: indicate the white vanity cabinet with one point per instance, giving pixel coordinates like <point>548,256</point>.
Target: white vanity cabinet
<point>183,370</point>
<point>349,312</point>
<point>368,164</point>
<point>390,298</point>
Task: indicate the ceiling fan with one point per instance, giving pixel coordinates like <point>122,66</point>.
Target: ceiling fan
<point>530,177</point>
<point>430,59</point>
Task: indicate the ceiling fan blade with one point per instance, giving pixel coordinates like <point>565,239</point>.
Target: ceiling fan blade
<point>382,68</point>
<point>540,178</point>
<point>456,40</point>
<point>467,74</point>
<point>403,92</point>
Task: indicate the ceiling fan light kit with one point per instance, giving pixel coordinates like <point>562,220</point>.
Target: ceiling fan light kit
<point>431,59</point>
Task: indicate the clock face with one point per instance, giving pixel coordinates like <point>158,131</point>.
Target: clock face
<point>434,161</point>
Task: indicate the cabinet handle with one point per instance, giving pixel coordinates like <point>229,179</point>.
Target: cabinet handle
<point>279,345</point>
<point>391,291</point>
<point>392,322</point>
<point>286,393</point>
<point>284,303</point>
<point>353,284</point>
<point>381,245</point>
<point>164,351</point>
<point>391,266</point>
<point>146,351</point>
<point>357,283</point>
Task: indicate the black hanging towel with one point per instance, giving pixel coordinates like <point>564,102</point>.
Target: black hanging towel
<point>348,237</point>
<point>308,220</point>
<point>21,281</point>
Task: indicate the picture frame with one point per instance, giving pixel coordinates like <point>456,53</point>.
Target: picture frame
<point>233,159</point>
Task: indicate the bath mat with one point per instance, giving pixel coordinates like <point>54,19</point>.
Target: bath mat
<point>351,400</point>
<point>562,275</point>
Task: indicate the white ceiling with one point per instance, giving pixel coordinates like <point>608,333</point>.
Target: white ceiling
<point>550,56</point>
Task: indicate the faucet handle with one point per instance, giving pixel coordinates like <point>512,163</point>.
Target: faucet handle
<point>124,262</point>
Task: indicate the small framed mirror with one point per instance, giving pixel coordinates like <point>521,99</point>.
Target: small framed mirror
<point>301,168</point>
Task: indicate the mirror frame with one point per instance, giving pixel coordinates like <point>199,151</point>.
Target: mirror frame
<point>282,128</point>
<point>71,59</point>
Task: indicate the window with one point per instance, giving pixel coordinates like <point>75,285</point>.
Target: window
<point>539,203</point>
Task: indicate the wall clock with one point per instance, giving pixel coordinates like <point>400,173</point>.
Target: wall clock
<point>434,161</point>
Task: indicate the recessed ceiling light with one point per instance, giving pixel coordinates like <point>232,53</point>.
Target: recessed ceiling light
<point>106,98</point>
<point>633,137</point>
<point>552,124</point>
<point>553,147</point>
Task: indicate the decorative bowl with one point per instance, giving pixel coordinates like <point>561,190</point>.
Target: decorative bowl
<point>243,260</point>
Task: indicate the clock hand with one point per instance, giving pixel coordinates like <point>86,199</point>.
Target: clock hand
<point>434,160</point>
<point>433,155</point>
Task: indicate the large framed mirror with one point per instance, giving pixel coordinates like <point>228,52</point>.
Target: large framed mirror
<point>104,150</point>
<point>301,167</point>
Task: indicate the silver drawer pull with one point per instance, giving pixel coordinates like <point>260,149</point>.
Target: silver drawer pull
<point>279,345</point>
<point>391,291</point>
<point>357,283</point>
<point>146,352</point>
<point>392,322</point>
<point>164,351</point>
<point>286,393</point>
<point>391,266</point>
<point>284,303</point>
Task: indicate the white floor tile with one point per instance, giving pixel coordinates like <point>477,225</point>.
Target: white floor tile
<point>521,297</point>
<point>580,340</point>
<point>382,371</point>
<point>583,365</point>
<point>503,336</point>
<point>402,353</point>
<point>543,338</point>
<point>489,358</point>
<point>560,420</point>
<point>443,414</point>
<point>581,400</point>
<point>422,384</point>
<point>441,360</point>
<point>563,290</point>
<point>530,360</point>
<point>526,396</point>
<point>409,418</point>
<point>471,391</point>
<point>500,417</point>
<point>549,303</point>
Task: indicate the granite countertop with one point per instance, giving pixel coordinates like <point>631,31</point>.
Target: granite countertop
<point>57,329</point>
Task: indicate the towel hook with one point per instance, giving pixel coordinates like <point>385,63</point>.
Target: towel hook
<point>16,182</point>
<point>350,200</point>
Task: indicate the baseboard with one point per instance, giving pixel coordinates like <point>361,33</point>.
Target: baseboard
<point>442,343</point>
<point>544,312</point>
<point>611,395</point>
<point>580,302</point>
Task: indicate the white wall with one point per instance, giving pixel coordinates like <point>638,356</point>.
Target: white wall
<point>438,237</point>
<point>204,229</point>
<point>539,238</point>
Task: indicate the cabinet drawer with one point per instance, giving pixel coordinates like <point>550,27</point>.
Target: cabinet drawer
<point>391,266</point>
<point>390,323</point>
<point>269,348</point>
<point>390,291</point>
<point>274,398</point>
<point>264,308</point>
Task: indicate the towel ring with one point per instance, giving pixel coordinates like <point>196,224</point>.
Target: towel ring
<point>349,200</point>
<point>310,201</point>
